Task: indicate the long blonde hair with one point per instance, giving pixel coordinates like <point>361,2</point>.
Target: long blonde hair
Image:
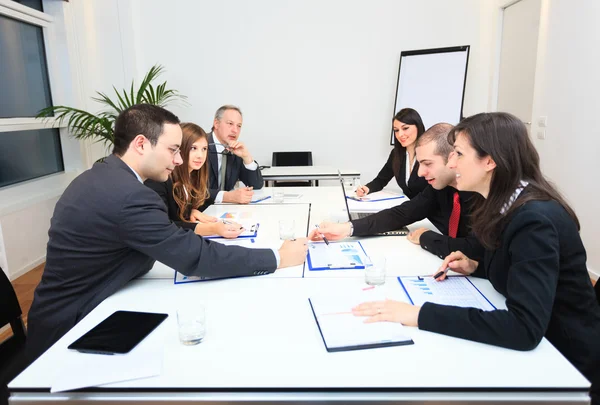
<point>196,182</point>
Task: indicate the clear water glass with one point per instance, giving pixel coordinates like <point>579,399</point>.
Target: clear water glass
<point>287,229</point>
<point>191,324</point>
<point>375,270</point>
<point>278,195</point>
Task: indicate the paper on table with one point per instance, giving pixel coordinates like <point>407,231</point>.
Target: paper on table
<point>389,200</point>
<point>340,328</point>
<point>378,196</point>
<point>81,370</point>
<point>250,230</point>
<point>336,255</point>
<point>457,291</point>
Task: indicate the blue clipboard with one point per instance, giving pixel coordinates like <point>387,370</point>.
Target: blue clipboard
<point>249,233</point>
<point>357,266</point>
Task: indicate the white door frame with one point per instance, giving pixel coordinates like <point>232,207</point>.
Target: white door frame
<point>503,5</point>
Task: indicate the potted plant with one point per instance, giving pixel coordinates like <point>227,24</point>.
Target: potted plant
<point>100,127</point>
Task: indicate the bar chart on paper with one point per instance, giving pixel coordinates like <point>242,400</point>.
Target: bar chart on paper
<point>457,291</point>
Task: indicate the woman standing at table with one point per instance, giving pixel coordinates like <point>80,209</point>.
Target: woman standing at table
<point>186,190</point>
<point>534,254</point>
<point>402,163</point>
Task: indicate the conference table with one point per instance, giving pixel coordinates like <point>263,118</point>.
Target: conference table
<point>263,344</point>
<point>306,173</point>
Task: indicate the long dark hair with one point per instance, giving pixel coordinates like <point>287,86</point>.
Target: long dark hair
<point>196,182</point>
<point>504,138</point>
<point>410,117</point>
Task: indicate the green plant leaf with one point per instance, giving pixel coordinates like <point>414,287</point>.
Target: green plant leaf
<point>100,127</point>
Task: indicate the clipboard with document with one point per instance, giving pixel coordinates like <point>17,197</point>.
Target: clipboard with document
<point>342,331</point>
<point>336,256</point>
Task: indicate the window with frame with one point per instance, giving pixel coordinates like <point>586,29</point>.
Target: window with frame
<point>29,148</point>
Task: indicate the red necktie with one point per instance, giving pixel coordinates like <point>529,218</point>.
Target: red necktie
<point>454,216</point>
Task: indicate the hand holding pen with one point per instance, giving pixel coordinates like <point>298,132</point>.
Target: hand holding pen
<point>458,262</point>
<point>322,236</point>
<point>229,229</point>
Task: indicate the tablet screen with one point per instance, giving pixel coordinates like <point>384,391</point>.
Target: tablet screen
<point>119,333</point>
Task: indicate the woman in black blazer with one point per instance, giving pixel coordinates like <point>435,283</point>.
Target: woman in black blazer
<point>534,253</point>
<point>186,193</point>
<point>407,127</point>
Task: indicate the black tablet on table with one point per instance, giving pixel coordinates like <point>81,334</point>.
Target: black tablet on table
<point>119,333</point>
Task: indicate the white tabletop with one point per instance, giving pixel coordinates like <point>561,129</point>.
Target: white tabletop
<point>263,344</point>
<point>306,173</point>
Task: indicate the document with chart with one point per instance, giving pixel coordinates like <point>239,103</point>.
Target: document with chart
<point>342,331</point>
<point>456,290</point>
<point>336,256</point>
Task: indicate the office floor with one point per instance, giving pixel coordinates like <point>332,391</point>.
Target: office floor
<point>24,287</point>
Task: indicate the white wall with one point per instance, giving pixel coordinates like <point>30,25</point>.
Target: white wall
<point>308,75</point>
<point>566,91</point>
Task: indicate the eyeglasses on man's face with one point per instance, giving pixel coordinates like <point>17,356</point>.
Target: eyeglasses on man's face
<point>174,150</point>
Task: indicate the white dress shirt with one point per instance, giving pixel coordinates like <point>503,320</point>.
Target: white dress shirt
<point>220,148</point>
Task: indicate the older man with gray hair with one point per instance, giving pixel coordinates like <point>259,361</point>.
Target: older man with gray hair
<point>230,160</point>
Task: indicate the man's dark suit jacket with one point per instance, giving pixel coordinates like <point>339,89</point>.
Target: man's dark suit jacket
<point>435,205</point>
<point>540,267</point>
<point>107,229</point>
<point>165,191</point>
<point>235,171</point>
<point>415,184</point>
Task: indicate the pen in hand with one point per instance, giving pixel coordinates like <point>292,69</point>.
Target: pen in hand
<point>323,236</point>
<point>441,272</point>
<point>229,223</point>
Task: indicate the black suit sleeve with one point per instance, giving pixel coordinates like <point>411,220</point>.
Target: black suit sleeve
<point>443,245</point>
<point>144,227</point>
<point>396,217</point>
<point>383,178</point>
<point>165,192</point>
<point>251,178</point>
<point>533,245</point>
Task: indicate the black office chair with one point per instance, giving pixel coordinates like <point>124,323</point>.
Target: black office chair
<point>12,350</point>
<point>292,159</point>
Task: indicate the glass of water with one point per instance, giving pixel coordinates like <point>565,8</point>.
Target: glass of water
<point>287,229</point>
<point>278,195</point>
<point>375,270</point>
<point>191,322</point>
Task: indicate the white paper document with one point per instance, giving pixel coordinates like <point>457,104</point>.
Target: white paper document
<point>81,370</point>
<point>336,255</point>
<point>457,291</point>
<point>250,230</point>
<point>342,331</point>
<point>374,202</point>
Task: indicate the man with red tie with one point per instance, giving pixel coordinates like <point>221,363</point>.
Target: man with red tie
<point>447,208</point>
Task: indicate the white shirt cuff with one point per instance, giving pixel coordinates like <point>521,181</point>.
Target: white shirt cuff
<point>251,166</point>
<point>219,197</point>
<point>276,253</point>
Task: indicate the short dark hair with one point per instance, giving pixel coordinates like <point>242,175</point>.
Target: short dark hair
<point>144,119</point>
<point>438,133</point>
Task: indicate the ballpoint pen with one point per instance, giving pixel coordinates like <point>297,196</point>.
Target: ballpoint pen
<point>323,236</point>
<point>229,223</point>
<point>439,273</point>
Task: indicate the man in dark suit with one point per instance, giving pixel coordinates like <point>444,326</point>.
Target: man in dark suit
<point>230,160</point>
<point>108,228</point>
<point>440,202</point>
